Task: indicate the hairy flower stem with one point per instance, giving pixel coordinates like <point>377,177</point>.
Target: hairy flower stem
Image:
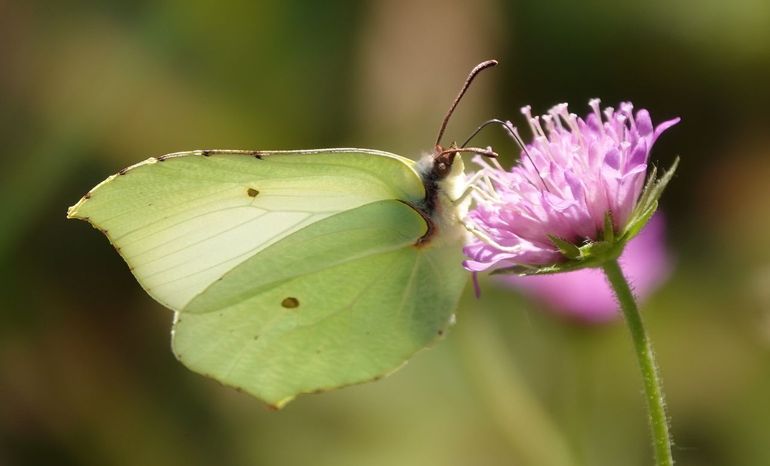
<point>656,406</point>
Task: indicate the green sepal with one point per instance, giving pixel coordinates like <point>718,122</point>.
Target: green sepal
<point>565,247</point>
<point>635,226</point>
<point>648,201</point>
<point>525,270</point>
<point>598,250</point>
<point>588,255</point>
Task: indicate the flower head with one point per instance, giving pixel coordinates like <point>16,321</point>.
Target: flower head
<point>586,295</point>
<point>578,192</point>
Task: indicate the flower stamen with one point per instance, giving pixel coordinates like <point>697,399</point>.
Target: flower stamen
<point>485,238</point>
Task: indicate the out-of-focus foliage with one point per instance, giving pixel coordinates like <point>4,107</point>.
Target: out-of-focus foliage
<point>87,87</point>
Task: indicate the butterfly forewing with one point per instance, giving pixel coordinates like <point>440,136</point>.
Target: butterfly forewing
<point>183,221</point>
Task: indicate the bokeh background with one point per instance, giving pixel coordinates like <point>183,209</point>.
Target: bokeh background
<point>88,87</point>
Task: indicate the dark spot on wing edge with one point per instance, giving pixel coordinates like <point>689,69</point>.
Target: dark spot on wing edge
<point>252,192</point>
<point>290,303</point>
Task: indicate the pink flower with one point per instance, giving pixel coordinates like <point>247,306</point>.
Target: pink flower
<point>579,183</point>
<point>586,295</point>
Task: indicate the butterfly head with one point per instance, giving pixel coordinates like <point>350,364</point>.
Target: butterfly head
<point>442,163</point>
<point>443,158</point>
<point>442,172</point>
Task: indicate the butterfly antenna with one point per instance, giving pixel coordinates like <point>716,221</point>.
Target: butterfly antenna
<point>475,71</point>
<point>475,133</point>
<point>514,134</point>
<point>488,152</point>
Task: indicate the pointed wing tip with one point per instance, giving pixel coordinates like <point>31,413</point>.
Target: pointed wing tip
<point>278,405</point>
<point>72,211</point>
<point>271,405</point>
<point>76,211</point>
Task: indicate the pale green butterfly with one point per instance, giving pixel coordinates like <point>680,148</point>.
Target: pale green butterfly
<point>292,272</point>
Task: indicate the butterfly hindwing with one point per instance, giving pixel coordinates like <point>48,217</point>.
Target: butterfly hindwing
<point>346,300</point>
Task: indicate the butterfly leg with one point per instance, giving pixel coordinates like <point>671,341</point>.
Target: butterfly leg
<point>472,187</point>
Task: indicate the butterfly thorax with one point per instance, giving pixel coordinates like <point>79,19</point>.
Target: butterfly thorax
<point>444,204</point>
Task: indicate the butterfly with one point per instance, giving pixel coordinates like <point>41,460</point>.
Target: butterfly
<point>293,272</point>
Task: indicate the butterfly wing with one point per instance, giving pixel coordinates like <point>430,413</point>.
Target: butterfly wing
<point>345,300</point>
<point>183,220</point>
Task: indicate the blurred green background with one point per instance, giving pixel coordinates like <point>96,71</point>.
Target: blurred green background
<point>88,87</point>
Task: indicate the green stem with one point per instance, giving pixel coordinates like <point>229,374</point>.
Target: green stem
<point>656,406</point>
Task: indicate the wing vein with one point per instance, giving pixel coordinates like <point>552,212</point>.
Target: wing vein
<point>246,253</point>
<point>188,201</point>
<point>203,240</point>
